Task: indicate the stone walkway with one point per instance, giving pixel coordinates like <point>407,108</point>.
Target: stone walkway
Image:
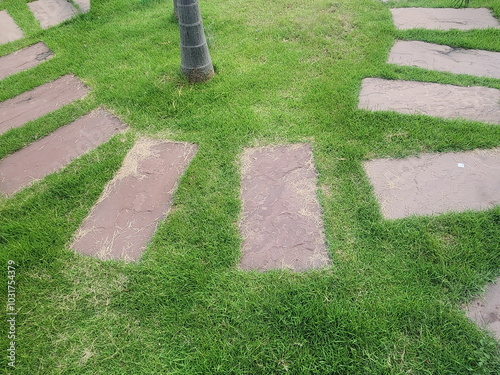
<point>9,31</point>
<point>24,59</point>
<point>485,311</point>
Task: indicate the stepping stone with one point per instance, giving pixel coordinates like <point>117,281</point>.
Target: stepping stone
<point>9,31</point>
<point>56,150</point>
<point>281,224</point>
<point>485,311</point>
<point>24,59</point>
<point>446,59</point>
<point>52,12</point>
<point>432,99</point>
<point>84,5</point>
<point>128,211</point>
<point>436,183</point>
<point>30,105</point>
<point>443,18</point>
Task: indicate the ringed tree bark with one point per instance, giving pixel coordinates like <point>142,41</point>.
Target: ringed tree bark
<point>196,63</point>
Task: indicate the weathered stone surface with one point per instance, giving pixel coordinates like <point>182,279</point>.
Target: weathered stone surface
<point>436,183</point>
<point>84,5</point>
<point>281,224</point>
<point>52,12</point>
<point>447,59</point>
<point>9,31</point>
<point>443,18</point>
<point>24,59</point>
<point>128,211</point>
<point>433,99</point>
<point>30,105</point>
<point>485,311</point>
<point>56,150</point>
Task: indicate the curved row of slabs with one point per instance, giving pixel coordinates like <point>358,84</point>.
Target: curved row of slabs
<point>281,224</point>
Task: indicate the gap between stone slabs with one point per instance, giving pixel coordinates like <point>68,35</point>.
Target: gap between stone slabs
<point>436,183</point>
<point>24,59</point>
<point>9,31</point>
<point>281,223</point>
<point>485,311</point>
<point>52,12</point>
<point>41,100</point>
<point>56,150</point>
<point>446,59</point>
<point>125,217</point>
<point>432,99</point>
<point>443,18</point>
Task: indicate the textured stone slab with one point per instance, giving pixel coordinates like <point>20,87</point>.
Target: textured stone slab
<point>432,99</point>
<point>128,211</point>
<point>55,151</point>
<point>281,224</point>
<point>447,59</point>
<point>52,12</point>
<point>436,183</point>
<point>84,5</point>
<point>24,59</point>
<point>443,18</point>
<point>9,31</point>
<point>485,311</point>
<point>30,105</point>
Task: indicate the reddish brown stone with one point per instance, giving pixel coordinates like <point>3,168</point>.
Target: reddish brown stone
<point>436,183</point>
<point>56,150</point>
<point>485,311</point>
<point>128,211</point>
<point>24,59</point>
<point>281,224</point>
<point>9,31</point>
<point>30,105</point>
<point>52,12</point>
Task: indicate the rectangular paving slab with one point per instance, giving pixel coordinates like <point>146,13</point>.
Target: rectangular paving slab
<point>9,31</point>
<point>24,59</point>
<point>44,99</point>
<point>52,12</point>
<point>56,150</point>
<point>281,224</point>
<point>84,5</point>
<point>485,311</point>
<point>446,59</point>
<point>432,99</point>
<point>443,18</point>
<point>126,215</point>
<point>436,183</point>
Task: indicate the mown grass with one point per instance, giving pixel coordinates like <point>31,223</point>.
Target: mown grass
<point>287,71</point>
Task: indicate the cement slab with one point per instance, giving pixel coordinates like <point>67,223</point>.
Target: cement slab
<point>436,183</point>
<point>56,150</point>
<point>30,105</point>
<point>446,59</point>
<point>432,99</point>
<point>126,215</point>
<point>9,31</point>
<point>52,12</point>
<point>24,59</point>
<point>443,18</point>
<point>485,311</point>
<point>281,224</point>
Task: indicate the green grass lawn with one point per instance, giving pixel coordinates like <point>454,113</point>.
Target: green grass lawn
<point>286,71</point>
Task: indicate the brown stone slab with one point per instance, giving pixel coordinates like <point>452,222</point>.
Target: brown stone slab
<point>9,31</point>
<point>436,183</point>
<point>446,59</point>
<point>52,12</point>
<point>281,223</point>
<point>128,211</point>
<point>56,150</point>
<point>443,18</point>
<point>24,59</point>
<point>485,311</point>
<point>44,99</point>
<point>432,99</point>
<point>84,5</point>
